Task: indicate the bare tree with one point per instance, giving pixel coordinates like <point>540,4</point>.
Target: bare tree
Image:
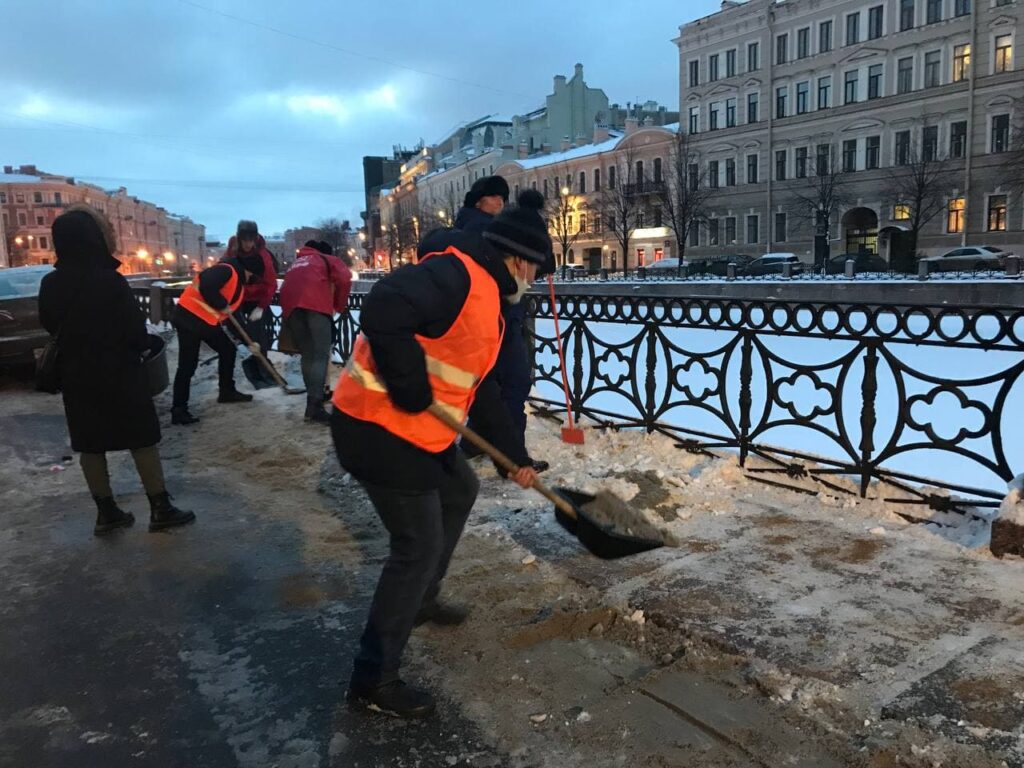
<point>335,232</point>
<point>685,192</point>
<point>619,201</point>
<point>818,199</point>
<point>444,207</point>
<point>560,211</point>
<point>400,238</point>
<point>919,186</point>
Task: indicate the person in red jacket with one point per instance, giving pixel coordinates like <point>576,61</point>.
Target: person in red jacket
<point>249,247</point>
<point>315,287</point>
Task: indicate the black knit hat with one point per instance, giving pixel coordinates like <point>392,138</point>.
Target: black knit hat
<point>247,230</point>
<point>485,187</point>
<point>320,245</point>
<point>253,263</point>
<point>521,231</point>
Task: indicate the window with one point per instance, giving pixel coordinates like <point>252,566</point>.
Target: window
<point>544,187</point>
<point>3,198</point>
<point>730,113</point>
<point>752,99</point>
<point>753,57</point>
<point>824,92</point>
<point>611,177</point>
<point>780,164</point>
<point>875,22</point>
<point>997,213</point>
<point>40,221</point>
<point>874,81</point>
<point>751,169</point>
<point>3,215</point>
<point>712,67</point>
<point>781,48</point>
<point>1000,133</point>
<point>803,43</point>
<point>906,15</point>
<point>730,172</point>
<point>597,179</point>
<point>933,11</point>
<point>961,7</point>
<point>730,62</point>
<point>957,139</point>
<point>780,227</point>
<point>932,71</point>
<point>19,197</point>
<point>639,171</point>
<point>781,101</point>
<point>37,197</point>
<point>872,152</point>
<point>713,174</point>
<point>583,222</point>
<point>694,76</point>
<point>852,28</point>
<point>752,233</point>
<point>657,171</point>
<point>849,156</point>
<point>930,143</point>
<point>825,37</point>
<point>639,219</point>
<point>802,91</point>
<point>44,243</point>
<point>694,119</point>
<point>1004,53</point>
<point>22,219</point>
<point>801,162</point>
<point>694,234</point>
<point>955,215</point>
<point>961,62</point>
<point>850,87</point>
<point>821,163</point>
<point>693,174</point>
<point>57,198</point>
<point>905,75</point>
<point>712,231</point>
<point>730,230</point>
<point>902,147</point>
<point>713,116</point>
<point>901,212</point>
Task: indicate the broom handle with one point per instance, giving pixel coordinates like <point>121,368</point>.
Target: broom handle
<point>259,353</point>
<point>499,458</point>
<point>561,356</point>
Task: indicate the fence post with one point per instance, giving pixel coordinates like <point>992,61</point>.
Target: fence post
<point>641,273</point>
<point>922,270</point>
<point>851,268</point>
<point>730,271</point>
<point>869,390</point>
<point>746,400</point>
<point>604,273</point>
<point>787,271</point>
<point>1013,266</point>
<point>577,367</point>
<point>650,383</point>
<point>156,304</point>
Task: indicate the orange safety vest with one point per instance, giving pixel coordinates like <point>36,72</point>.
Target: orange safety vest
<point>192,300</point>
<point>456,364</point>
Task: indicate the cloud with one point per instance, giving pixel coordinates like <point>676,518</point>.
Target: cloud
<point>341,109</point>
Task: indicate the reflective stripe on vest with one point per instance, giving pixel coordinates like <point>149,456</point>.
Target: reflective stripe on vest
<point>192,300</point>
<point>456,363</point>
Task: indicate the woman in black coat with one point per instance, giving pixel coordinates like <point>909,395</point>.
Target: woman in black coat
<point>102,335</point>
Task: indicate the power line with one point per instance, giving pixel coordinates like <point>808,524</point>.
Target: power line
<point>348,52</point>
<point>222,184</point>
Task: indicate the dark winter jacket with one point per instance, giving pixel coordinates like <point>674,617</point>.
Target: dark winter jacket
<point>472,219</point>
<point>259,292</point>
<point>211,281</point>
<point>103,335</point>
<point>424,299</point>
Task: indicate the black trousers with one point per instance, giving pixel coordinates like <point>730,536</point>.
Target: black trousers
<point>192,332</point>
<point>425,527</point>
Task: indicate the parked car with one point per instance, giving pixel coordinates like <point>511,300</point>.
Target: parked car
<point>770,264</point>
<point>862,262</point>
<point>20,331</point>
<point>667,267</point>
<point>967,258</point>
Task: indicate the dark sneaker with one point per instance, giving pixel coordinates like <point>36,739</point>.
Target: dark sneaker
<point>110,517</point>
<point>163,514</point>
<point>233,396</point>
<point>539,466</point>
<point>319,416</point>
<point>442,614</point>
<point>182,416</point>
<point>396,699</point>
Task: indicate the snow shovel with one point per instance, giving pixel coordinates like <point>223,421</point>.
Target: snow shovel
<point>600,538</point>
<point>266,363</point>
<point>570,434</point>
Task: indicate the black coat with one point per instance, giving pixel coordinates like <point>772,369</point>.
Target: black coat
<point>103,334</point>
<point>422,299</point>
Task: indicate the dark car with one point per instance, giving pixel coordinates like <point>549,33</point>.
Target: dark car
<point>719,265</point>
<point>20,331</point>
<point>862,262</point>
<point>770,264</point>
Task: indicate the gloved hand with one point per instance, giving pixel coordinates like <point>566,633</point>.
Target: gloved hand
<point>256,314</point>
<point>254,348</point>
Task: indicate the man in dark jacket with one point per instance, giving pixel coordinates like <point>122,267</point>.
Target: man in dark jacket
<point>485,200</point>
<point>430,333</point>
<point>215,293</point>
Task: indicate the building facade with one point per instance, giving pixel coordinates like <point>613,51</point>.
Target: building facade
<point>776,95</point>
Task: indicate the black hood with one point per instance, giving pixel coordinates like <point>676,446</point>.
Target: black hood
<point>80,243</point>
<point>473,245</point>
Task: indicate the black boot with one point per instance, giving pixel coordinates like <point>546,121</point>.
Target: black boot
<point>180,415</point>
<point>395,698</point>
<point>315,413</point>
<point>109,516</point>
<point>441,613</point>
<point>233,396</point>
<point>539,465</point>
<point>163,514</point>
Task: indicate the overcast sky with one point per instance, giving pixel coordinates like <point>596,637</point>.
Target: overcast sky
<point>228,109</point>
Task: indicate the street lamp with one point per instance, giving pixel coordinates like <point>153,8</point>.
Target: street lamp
<point>565,191</point>
<point>18,241</point>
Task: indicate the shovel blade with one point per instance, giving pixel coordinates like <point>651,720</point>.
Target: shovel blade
<point>572,435</point>
<point>599,541</point>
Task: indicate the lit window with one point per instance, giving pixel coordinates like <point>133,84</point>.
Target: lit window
<point>955,215</point>
<point>901,212</point>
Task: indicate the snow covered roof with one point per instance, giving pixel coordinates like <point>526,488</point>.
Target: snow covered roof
<point>23,178</point>
<point>571,154</point>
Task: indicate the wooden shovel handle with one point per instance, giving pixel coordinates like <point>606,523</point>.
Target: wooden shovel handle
<point>499,458</point>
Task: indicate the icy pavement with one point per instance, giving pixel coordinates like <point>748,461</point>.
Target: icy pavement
<point>785,629</point>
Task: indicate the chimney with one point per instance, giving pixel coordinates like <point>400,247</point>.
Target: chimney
<point>579,71</point>
<point>566,144</point>
<point>524,151</point>
<point>8,169</point>
<point>648,121</point>
<point>600,133</point>
<point>28,170</point>
<point>632,124</point>
<point>559,82</point>
<point>545,148</point>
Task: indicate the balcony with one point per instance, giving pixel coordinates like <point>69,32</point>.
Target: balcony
<point>644,188</point>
